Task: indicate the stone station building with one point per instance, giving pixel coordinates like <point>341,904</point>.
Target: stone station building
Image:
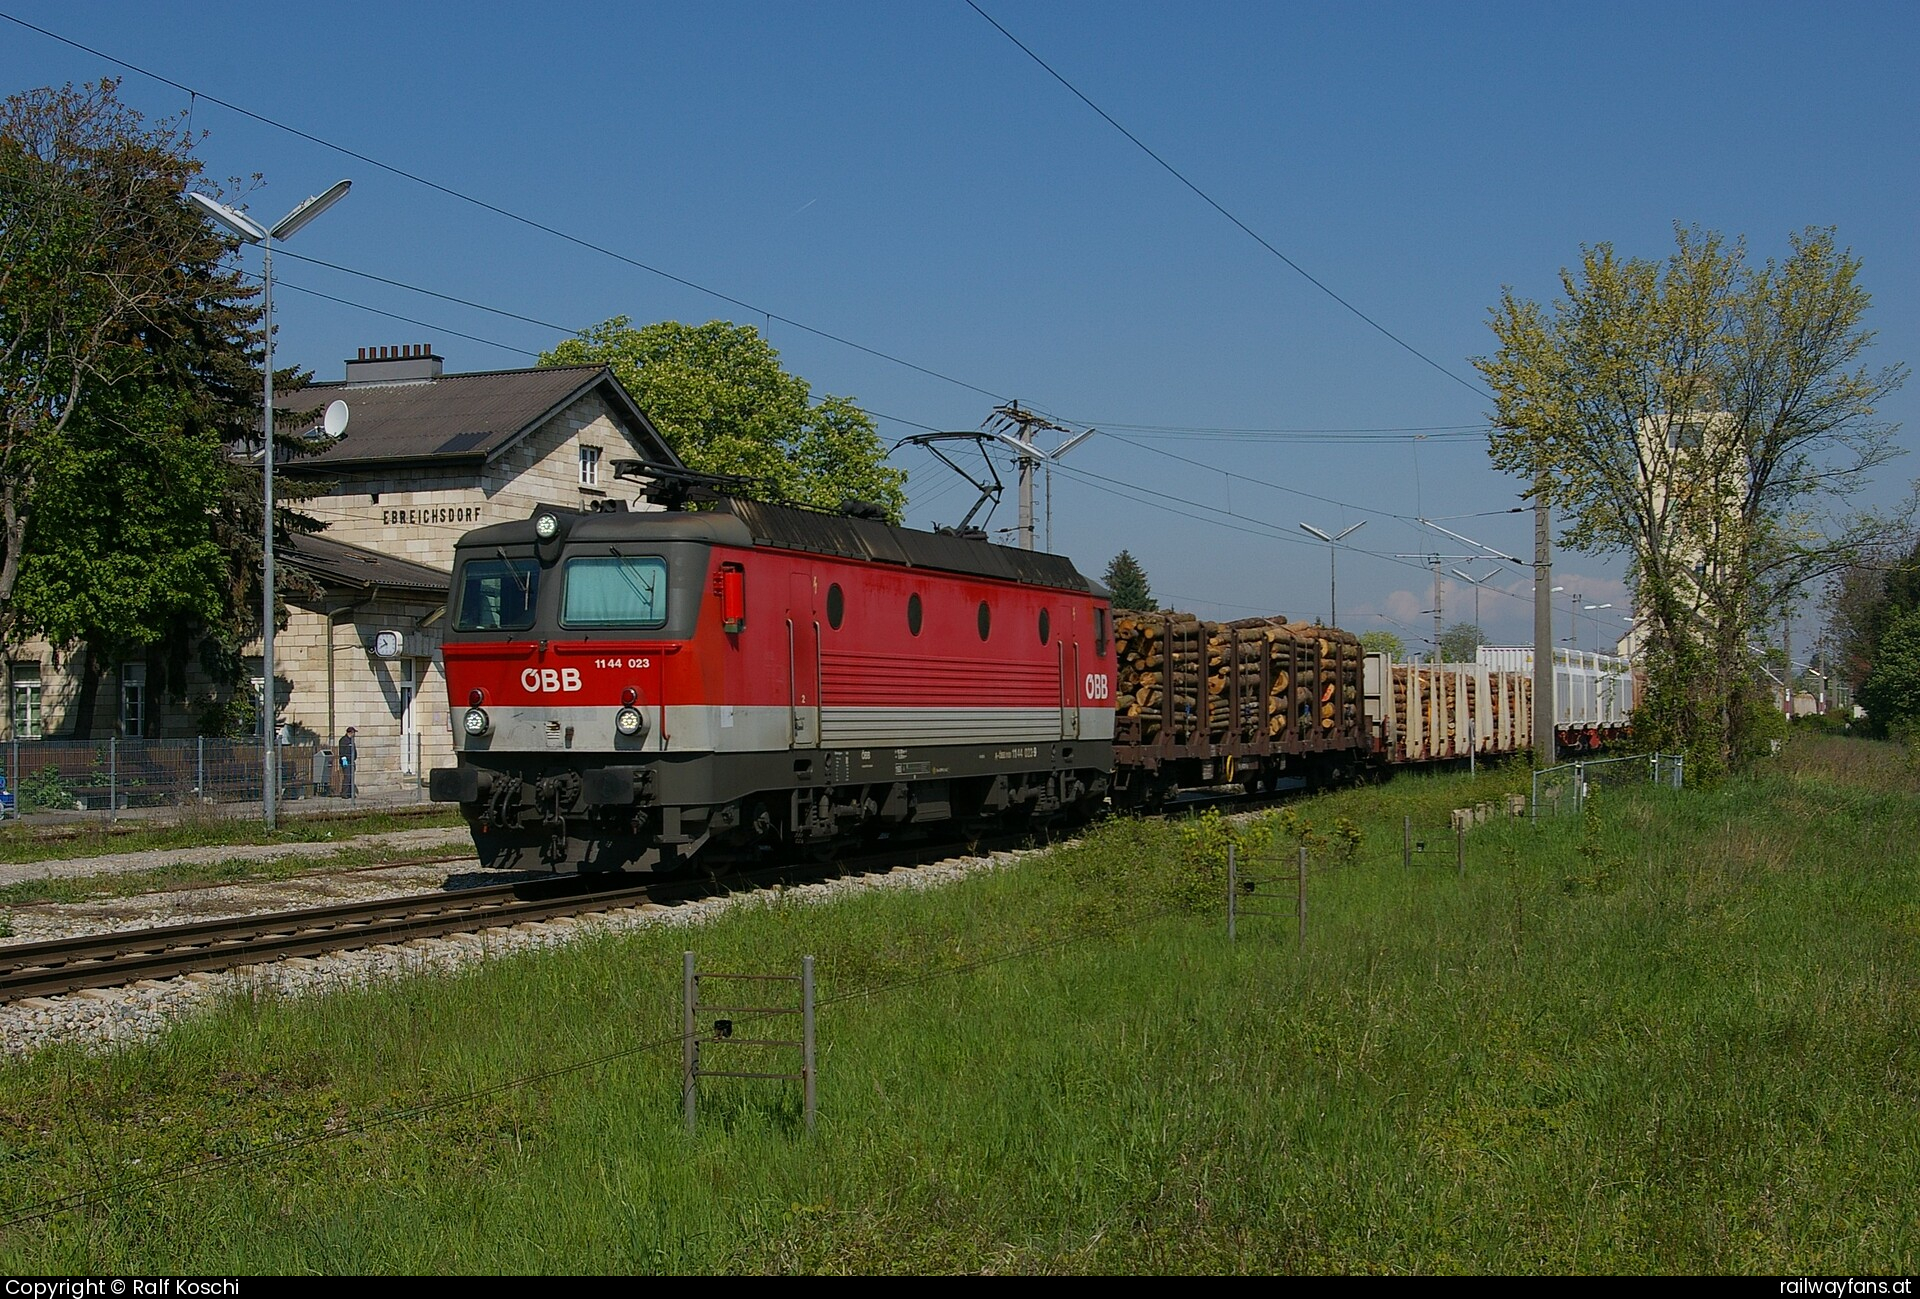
<point>425,457</point>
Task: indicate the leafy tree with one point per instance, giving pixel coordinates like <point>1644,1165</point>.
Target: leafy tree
<point>718,394</point>
<point>1458,642</point>
<point>1865,596</point>
<point>121,553</point>
<point>131,527</point>
<point>82,265</point>
<point>1891,692</point>
<point>1383,642</point>
<point>1127,582</point>
<point>1695,414</point>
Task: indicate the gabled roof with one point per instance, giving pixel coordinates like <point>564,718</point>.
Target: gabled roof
<point>337,563</point>
<point>470,418</point>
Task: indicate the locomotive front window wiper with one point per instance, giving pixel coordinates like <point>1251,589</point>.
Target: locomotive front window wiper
<point>519,579</point>
<point>642,586</point>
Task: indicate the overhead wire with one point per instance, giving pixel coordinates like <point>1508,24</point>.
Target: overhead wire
<point>1213,203</point>
<point>507,213</point>
<point>1216,517</point>
<point>196,94</point>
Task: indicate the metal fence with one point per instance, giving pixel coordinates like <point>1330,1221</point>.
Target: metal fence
<point>114,776</point>
<point>1565,789</point>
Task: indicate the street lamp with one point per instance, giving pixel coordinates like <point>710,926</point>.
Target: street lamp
<point>250,231</point>
<point>1596,622</point>
<point>1333,604</point>
<point>1475,583</point>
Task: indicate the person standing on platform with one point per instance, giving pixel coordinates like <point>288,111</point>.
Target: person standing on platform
<point>349,761</point>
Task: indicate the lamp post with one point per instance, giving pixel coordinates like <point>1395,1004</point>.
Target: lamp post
<point>1333,604</point>
<point>250,231</point>
<point>1596,624</point>
<point>1475,583</point>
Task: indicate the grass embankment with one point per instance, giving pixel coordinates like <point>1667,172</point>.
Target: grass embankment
<point>1680,1036</point>
<point>232,870</point>
<point>22,844</point>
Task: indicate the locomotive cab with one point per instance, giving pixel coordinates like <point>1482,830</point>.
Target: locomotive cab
<point>570,658</point>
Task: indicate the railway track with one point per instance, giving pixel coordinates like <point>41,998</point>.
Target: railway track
<point>67,965</point>
<point>109,960</point>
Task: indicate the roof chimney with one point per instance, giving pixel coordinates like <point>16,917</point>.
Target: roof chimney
<point>401,363</point>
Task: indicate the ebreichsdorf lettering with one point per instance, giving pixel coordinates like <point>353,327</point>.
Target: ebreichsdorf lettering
<point>550,680</point>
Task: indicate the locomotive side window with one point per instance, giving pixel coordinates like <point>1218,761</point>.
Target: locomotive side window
<point>836,606</point>
<point>1100,633</point>
<point>913,613</point>
<point>1046,627</point>
<point>497,594</point>
<point>985,620</point>
<point>614,591</point>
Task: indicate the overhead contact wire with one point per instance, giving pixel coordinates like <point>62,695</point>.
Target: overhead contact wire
<point>1209,200</point>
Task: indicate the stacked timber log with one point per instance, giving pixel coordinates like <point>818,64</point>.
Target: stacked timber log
<point>1195,681</point>
<point>1435,705</point>
<point>1159,677</point>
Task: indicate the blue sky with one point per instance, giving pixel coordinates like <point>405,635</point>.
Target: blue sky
<point>903,176</point>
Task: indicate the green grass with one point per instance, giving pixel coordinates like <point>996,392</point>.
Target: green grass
<point>1676,1036</point>
<point>23,844</point>
<point>235,870</point>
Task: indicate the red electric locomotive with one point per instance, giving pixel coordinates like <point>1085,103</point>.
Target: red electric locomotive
<point>632,690</point>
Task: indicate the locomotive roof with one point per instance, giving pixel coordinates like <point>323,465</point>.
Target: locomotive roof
<point>738,522</point>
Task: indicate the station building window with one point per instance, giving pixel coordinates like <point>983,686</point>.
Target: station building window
<point>590,466</point>
<point>26,701</point>
<point>133,699</point>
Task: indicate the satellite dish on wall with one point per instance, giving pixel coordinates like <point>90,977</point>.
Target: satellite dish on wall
<point>334,422</point>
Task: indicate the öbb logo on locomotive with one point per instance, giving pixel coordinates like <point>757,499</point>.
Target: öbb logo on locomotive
<point>815,679</point>
<point>537,680</point>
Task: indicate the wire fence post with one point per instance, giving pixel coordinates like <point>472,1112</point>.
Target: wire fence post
<point>1303,893</point>
<point>200,769</point>
<point>1460,848</point>
<point>1233,887</point>
<point>1406,842</point>
<point>113,777</point>
<point>1579,787</point>
<point>689,1048</point>
<point>806,1035</point>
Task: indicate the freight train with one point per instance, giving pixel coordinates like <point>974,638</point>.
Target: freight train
<point>644,690</point>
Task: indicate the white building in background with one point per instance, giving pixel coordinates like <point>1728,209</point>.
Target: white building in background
<point>1683,450</point>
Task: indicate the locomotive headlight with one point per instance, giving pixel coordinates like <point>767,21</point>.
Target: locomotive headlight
<point>630,721</point>
<point>546,527</point>
<point>476,721</point>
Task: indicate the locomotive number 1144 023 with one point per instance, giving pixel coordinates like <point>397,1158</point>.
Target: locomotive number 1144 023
<point>623,663</point>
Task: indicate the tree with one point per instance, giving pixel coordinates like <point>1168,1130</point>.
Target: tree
<point>1698,415</point>
<point>86,259</point>
<point>129,380</point>
<point>1458,642</point>
<point>1864,597</point>
<point>718,394</point>
<point>1891,692</point>
<point>1126,581</point>
<point>1383,642</point>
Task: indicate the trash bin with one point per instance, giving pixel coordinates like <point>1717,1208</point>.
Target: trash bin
<point>323,772</point>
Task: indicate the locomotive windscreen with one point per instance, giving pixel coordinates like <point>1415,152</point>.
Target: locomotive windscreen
<point>614,591</point>
<point>497,594</point>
